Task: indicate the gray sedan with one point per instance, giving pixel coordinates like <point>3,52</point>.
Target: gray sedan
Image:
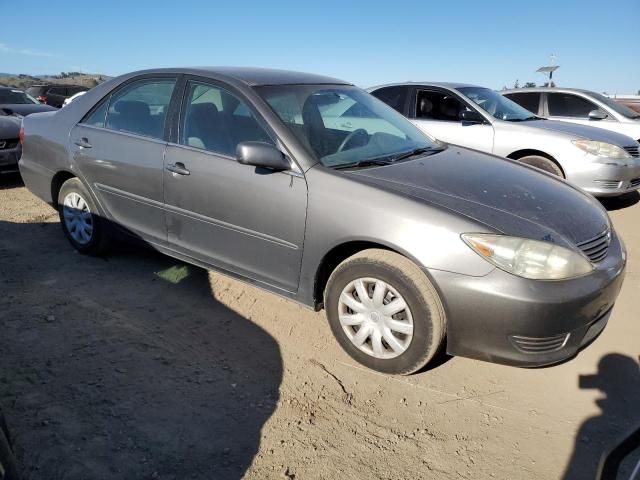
<point>410,245</point>
<point>603,163</point>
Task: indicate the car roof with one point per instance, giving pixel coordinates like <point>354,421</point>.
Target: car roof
<point>454,85</point>
<point>252,76</point>
<point>548,89</point>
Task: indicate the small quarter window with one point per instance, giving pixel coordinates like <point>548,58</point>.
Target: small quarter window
<point>97,117</point>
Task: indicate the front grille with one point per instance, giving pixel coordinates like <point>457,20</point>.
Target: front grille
<point>633,151</point>
<point>8,144</point>
<point>597,247</point>
<point>634,183</point>
<point>539,344</point>
<point>608,183</point>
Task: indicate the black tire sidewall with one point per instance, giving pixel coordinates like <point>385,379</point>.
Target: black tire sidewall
<point>422,341</point>
<point>95,246</point>
<point>539,158</point>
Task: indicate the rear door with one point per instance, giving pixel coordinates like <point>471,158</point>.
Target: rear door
<point>118,148</point>
<point>437,112</point>
<point>240,218</point>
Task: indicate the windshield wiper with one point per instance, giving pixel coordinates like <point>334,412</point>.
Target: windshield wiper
<point>417,151</point>
<point>363,163</point>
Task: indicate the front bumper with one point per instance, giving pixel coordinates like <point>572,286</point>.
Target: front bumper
<point>602,180</point>
<point>506,319</point>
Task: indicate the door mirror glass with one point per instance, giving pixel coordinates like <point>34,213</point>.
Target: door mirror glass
<point>470,116</point>
<point>597,114</point>
<point>260,154</point>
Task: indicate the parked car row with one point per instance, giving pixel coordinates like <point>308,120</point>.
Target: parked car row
<point>311,188</point>
<point>54,95</point>
<point>601,162</point>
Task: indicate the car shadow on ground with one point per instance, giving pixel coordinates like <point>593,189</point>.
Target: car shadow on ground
<point>618,378</point>
<point>126,366</point>
<point>10,180</point>
<point>621,201</point>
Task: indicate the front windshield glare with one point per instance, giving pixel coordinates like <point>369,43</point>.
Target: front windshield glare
<point>496,105</point>
<point>617,107</point>
<point>343,125</point>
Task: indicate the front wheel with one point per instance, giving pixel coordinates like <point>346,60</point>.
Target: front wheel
<point>384,312</point>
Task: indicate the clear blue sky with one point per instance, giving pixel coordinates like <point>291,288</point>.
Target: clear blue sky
<point>491,43</point>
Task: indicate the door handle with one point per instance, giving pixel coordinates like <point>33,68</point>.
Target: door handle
<point>178,168</point>
<point>83,142</point>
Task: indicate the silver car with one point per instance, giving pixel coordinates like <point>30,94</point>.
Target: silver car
<point>578,106</point>
<point>601,162</point>
<point>409,244</point>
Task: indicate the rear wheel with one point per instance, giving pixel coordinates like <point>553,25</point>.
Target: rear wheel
<point>81,224</point>
<point>384,312</point>
<point>543,163</point>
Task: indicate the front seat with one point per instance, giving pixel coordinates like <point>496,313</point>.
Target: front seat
<point>450,109</point>
<point>205,128</point>
<point>314,127</point>
<point>425,108</point>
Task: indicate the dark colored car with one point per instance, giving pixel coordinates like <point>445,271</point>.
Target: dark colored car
<point>54,95</point>
<point>14,104</point>
<point>408,243</point>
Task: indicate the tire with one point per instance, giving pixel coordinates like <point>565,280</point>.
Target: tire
<point>543,163</point>
<point>401,280</point>
<point>8,469</point>
<point>98,241</point>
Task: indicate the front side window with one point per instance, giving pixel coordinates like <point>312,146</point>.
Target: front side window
<point>568,105</point>
<point>433,105</point>
<point>314,113</point>
<point>213,119</point>
<point>615,106</point>
<point>16,97</point>
<point>496,105</point>
<point>528,100</point>
<point>395,97</point>
<point>141,107</point>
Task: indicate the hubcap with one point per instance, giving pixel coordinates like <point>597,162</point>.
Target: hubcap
<point>77,218</point>
<point>375,317</point>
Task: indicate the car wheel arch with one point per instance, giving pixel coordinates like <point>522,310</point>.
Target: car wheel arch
<point>56,184</point>
<point>530,151</point>
<point>340,252</point>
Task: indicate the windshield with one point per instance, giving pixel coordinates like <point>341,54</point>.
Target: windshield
<point>15,97</point>
<point>343,125</point>
<point>615,106</point>
<point>496,105</point>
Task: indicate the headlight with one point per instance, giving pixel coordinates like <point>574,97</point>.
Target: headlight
<point>601,149</point>
<point>529,258</point>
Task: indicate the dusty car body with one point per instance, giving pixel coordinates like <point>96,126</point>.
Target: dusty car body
<point>603,163</point>
<point>400,238</point>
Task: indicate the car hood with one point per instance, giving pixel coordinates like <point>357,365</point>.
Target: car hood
<point>583,131</point>
<point>25,109</point>
<point>9,127</point>
<point>506,196</point>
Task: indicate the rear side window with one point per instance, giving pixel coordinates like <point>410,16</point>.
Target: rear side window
<point>568,105</point>
<point>528,100</point>
<point>57,91</point>
<point>395,97</point>
<point>141,107</point>
<point>216,120</point>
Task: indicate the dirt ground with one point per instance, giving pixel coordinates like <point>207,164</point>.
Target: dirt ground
<point>137,366</point>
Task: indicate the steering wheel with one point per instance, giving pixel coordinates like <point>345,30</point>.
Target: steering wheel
<point>350,137</point>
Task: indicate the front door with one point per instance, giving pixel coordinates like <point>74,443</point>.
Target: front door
<point>119,149</point>
<point>438,114</point>
<point>240,218</point>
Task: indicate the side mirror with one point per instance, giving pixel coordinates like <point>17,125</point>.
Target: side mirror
<point>471,116</point>
<point>597,114</point>
<point>260,154</point>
